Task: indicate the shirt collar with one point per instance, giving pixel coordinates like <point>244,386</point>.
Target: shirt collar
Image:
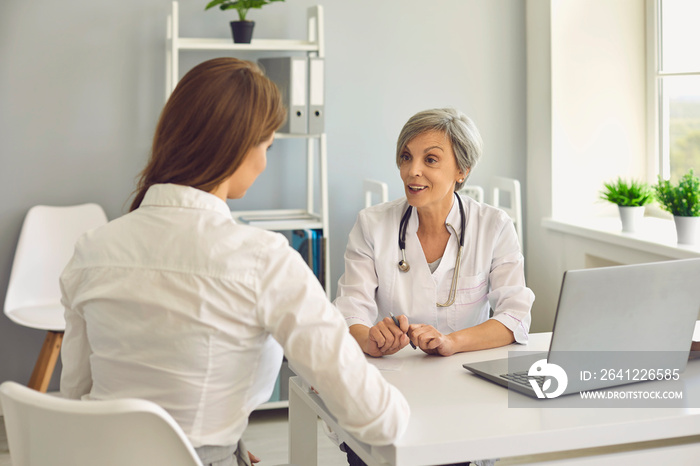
<point>175,195</point>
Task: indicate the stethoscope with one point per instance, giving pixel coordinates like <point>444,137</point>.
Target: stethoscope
<point>403,265</point>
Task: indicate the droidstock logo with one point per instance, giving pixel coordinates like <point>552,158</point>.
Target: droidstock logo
<point>548,372</point>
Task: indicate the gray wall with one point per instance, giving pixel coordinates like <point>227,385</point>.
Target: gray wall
<point>82,84</point>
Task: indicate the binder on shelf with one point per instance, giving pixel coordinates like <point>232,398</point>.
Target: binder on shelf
<point>290,75</point>
<point>310,244</point>
<point>321,254</point>
<point>316,238</point>
<point>316,95</point>
<point>302,242</point>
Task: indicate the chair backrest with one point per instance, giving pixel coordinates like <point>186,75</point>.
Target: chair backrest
<point>506,196</point>
<point>45,430</point>
<point>475,192</point>
<point>374,187</point>
<point>45,246</point>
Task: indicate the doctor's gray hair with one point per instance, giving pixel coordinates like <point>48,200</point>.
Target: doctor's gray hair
<point>459,128</point>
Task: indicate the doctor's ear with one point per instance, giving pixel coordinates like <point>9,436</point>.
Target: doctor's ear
<point>463,176</point>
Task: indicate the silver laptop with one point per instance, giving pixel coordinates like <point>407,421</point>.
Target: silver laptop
<point>632,318</point>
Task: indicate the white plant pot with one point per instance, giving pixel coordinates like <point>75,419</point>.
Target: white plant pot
<point>631,217</point>
<point>687,229</point>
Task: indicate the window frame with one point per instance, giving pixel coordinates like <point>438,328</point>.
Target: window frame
<point>658,150</point>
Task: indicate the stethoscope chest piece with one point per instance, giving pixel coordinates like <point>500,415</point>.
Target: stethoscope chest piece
<point>403,266</point>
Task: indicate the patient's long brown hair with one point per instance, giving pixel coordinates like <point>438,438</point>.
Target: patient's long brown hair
<point>216,114</point>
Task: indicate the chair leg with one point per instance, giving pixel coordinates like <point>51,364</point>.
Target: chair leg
<point>46,362</point>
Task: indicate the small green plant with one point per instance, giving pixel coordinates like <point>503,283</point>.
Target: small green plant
<point>682,199</point>
<point>627,194</point>
<point>242,6</point>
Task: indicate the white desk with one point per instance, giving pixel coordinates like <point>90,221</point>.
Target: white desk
<point>457,416</point>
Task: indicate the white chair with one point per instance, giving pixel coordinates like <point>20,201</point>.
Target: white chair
<point>475,192</point>
<point>33,297</point>
<point>45,430</point>
<point>509,188</point>
<point>375,187</point>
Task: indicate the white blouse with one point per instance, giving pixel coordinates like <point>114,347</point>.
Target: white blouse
<point>177,304</point>
<point>491,273</point>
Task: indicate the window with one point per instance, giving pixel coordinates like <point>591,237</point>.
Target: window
<point>677,86</point>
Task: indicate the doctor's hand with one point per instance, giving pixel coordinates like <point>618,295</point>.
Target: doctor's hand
<point>386,338</point>
<point>427,338</point>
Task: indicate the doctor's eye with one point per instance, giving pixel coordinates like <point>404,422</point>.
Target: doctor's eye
<point>431,159</point>
<point>405,157</point>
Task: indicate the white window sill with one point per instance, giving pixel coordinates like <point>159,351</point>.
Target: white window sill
<point>654,235</point>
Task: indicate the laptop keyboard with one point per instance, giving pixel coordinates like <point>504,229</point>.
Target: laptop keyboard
<point>522,378</point>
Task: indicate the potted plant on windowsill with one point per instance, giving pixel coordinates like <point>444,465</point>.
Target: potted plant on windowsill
<point>242,29</point>
<point>630,197</point>
<point>683,201</point>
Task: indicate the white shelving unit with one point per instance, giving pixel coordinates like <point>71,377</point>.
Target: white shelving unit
<point>312,217</point>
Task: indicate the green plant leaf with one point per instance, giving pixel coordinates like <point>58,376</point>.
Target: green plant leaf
<point>681,199</point>
<point>242,6</point>
<point>624,193</point>
<point>214,3</point>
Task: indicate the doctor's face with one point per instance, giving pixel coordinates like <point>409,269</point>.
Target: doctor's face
<point>429,171</point>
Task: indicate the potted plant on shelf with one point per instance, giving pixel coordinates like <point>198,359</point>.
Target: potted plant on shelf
<point>630,197</point>
<point>242,29</point>
<point>683,201</point>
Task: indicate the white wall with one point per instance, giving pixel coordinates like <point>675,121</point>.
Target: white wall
<point>598,99</point>
<point>586,121</point>
<point>82,84</point>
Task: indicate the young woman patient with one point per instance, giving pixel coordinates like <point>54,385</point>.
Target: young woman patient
<point>177,304</point>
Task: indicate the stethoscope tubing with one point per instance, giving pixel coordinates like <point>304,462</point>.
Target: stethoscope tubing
<point>405,267</point>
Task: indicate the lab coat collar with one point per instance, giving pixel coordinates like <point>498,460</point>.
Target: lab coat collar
<point>175,195</point>
<point>453,218</point>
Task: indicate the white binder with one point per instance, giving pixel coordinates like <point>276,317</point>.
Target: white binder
<point>290,75</point>
<point>316,95</point>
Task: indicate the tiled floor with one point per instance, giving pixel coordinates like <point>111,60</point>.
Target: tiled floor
<point>266,437</point>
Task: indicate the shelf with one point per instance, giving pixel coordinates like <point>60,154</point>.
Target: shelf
<point>312,45</point>
<point>316,146</point>
<point>256,45</point>
<point>278,220</point>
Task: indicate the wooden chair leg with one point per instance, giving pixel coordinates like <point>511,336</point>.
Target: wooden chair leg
<point>46,362</point>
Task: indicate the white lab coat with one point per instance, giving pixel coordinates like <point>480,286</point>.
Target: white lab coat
<point>491,275</point>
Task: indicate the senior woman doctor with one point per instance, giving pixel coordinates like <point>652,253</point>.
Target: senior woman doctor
<point>402,255</point>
